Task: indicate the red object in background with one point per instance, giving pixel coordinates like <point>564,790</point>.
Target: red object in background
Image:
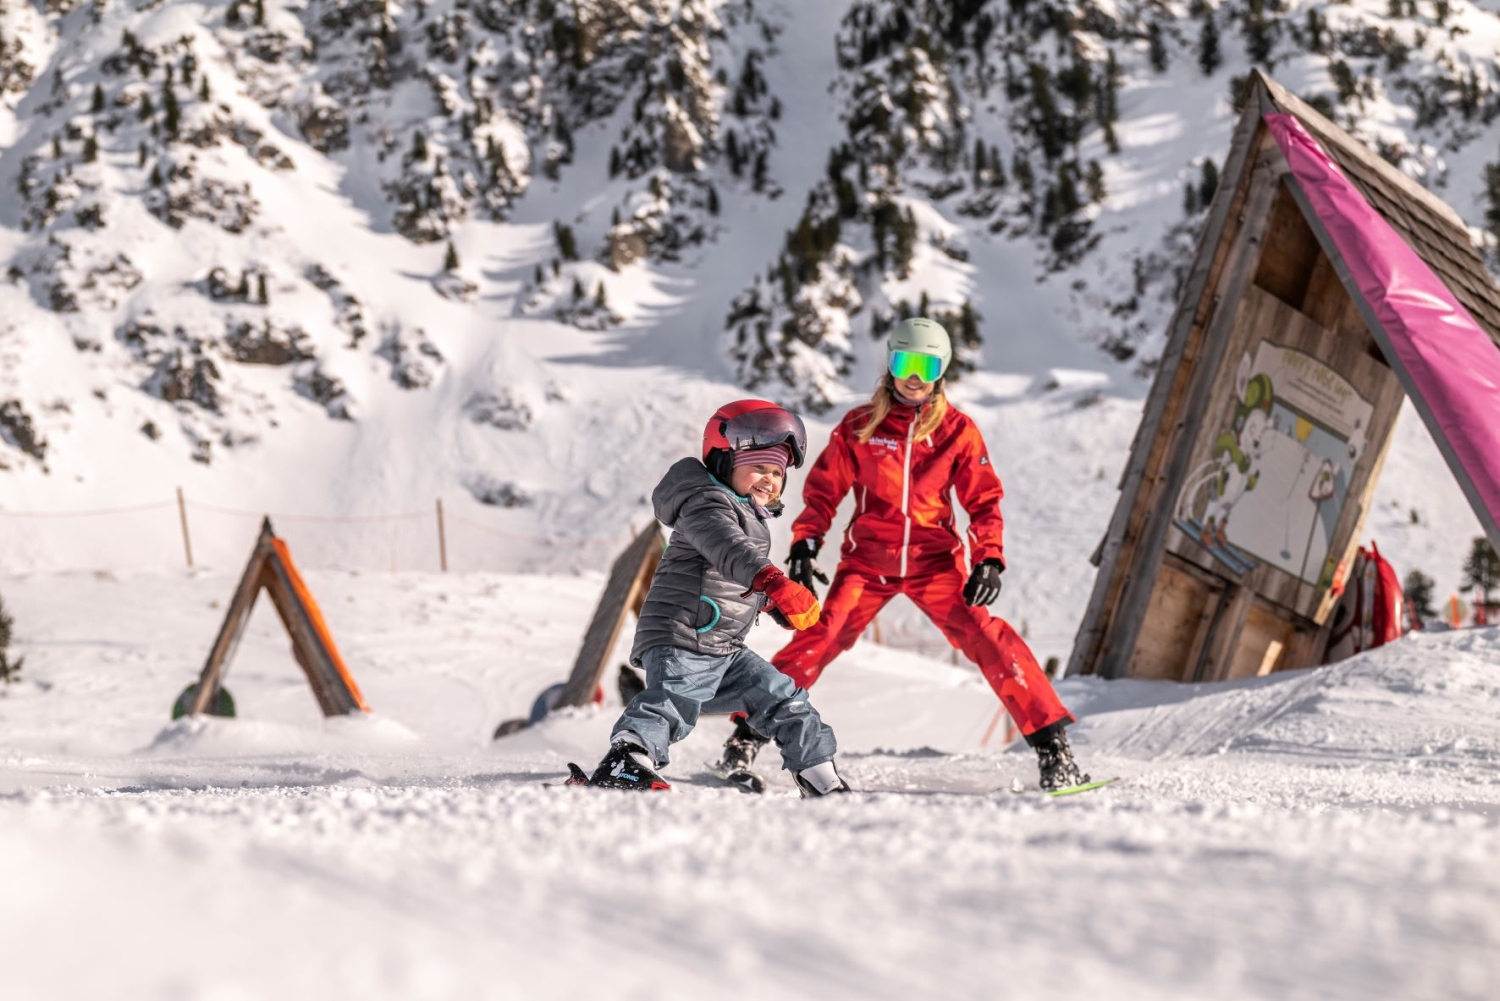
<point>1372,611</point>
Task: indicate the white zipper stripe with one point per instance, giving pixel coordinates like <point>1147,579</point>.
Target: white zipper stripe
<point>906,493</point>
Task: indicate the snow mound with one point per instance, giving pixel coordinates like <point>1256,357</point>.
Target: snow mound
<point>211,737</point>
<point>1430,698</point>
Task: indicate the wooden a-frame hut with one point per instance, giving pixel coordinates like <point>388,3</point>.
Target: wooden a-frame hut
<point>1326,287</point>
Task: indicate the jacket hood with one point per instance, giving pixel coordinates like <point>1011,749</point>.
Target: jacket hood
<point>687,479</point>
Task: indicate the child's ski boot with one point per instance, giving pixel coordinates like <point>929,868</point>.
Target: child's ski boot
<point>1055,759</point>
<point>820,780</point>
<point>737,764</point>
<point>625,766</point>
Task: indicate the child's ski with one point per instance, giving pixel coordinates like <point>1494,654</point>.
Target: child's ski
<point>742,779</point>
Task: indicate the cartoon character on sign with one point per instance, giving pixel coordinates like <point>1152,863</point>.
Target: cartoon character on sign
<point>1236,456</point>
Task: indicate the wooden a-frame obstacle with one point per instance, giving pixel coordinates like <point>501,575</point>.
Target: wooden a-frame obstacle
<point>625,591</point>
<point>1327,287</point>
<point>271,567</point>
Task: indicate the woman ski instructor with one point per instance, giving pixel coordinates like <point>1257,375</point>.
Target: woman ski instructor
<point>903,454</point>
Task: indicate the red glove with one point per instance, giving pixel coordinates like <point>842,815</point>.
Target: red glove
<point>797,603</point>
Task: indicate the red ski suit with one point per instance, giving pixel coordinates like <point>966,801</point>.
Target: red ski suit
<point>902,540</point>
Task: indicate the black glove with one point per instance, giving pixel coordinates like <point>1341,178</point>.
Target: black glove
<point>984,583</point>
<point>778,617</point>
<point>801,567</point>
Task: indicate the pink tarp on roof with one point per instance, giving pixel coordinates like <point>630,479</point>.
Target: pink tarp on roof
<point>1446,361</point>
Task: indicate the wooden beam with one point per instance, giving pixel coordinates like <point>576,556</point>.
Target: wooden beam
<point>1175,366</point>
<point>1146,556</point>
<point>1283,100</point>
<point>233,626</point>
<point>625,590</point>
<point>334,696</point>
<point>1224,634</point>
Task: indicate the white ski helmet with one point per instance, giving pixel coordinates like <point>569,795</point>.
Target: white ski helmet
<point>920,335</point>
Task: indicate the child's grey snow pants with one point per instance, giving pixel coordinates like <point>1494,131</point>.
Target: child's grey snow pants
<point>680,684</point>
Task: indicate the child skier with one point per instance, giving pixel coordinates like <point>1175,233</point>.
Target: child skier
<point>712,582</point>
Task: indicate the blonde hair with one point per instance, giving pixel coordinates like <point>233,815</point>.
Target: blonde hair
<point>932,412</point>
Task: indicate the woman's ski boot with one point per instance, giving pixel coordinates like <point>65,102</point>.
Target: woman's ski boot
<point>1055,759</point>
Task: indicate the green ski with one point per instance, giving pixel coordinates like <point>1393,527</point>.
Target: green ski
<point>1086,787</point>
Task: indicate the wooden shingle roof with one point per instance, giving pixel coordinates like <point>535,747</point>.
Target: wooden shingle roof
<point>1427,223</point>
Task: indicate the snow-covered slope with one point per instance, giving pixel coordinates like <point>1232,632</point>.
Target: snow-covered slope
<point>1324,834</point>
<point>612,178</point>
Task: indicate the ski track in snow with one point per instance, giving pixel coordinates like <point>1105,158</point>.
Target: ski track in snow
<point>1317,834</point>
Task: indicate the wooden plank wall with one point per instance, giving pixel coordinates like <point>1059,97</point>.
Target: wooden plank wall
<point>1185,332</point>
<point>1184,411</point>
<point>1203,620</point>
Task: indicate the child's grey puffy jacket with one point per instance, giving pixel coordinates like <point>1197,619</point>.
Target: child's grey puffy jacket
<point>719,543</point>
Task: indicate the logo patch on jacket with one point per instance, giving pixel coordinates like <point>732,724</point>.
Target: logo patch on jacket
<point>984,460</point>
<point>890,443</point>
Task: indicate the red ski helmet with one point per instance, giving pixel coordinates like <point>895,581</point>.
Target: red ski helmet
<point>751,424</point>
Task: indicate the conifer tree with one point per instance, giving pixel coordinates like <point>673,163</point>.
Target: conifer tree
<point>90,149</point>
<point>57,148</point>
<point>1020,168</point>
<point>418,147</point>
<point>260,12</point>
<point>600,302</point>
<point>713,200</point>
<point>98,102</point>
<point>567,246</point>
<point>1093,180</point>
<point>1316,41</point>
<point>141,161</point>
<point>536,276</point>
<point>1158,48</point>
<point>10,671</point>
<point>1417,587</point>
<point>450,260</point>
<point>1482,569</point>
<point>1209,57</point>
<point>172,114</point>
<point>262,296</point>
<point>156,180</point>
<point>1208,181</point>
<point>147,108</point>
<point>203,91</point>
<point>968,326</point>
<point>578,291</point>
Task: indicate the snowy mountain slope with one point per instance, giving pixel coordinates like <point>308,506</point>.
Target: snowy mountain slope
<point>1317,834</point>
<point>375,379</point>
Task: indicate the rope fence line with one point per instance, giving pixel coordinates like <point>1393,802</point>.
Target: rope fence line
<point>184,506</point>
<point>90,513</point>
<point>317,518</point>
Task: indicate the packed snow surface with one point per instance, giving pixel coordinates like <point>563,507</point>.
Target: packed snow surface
<point>1317,834</point>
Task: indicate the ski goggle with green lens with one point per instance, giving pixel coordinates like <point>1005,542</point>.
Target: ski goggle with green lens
<point>905,364</point>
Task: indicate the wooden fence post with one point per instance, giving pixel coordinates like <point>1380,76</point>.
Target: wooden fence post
<point>187,543</point>
<point>442,538</point>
